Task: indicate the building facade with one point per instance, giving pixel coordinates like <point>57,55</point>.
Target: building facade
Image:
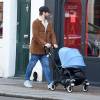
<point>79,27</point>
<point>13,38</point>
<point>76,23</point>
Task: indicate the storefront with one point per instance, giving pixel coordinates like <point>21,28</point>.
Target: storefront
<point>77,24</point>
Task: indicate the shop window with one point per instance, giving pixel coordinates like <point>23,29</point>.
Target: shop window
<point>1,19</point>
<point>93,45</point>
<point>72,24</point>
<point>93,48</point>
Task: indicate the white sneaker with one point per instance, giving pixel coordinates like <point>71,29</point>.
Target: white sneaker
<point>28,84</point>
<point>51,86</point>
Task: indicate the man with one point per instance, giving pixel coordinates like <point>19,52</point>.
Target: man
<point>43,36</point>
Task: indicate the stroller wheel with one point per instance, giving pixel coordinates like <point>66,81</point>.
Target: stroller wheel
<point>85,88</point>
<point>54,87</point>
<point>69,88</point>
<point>87,83</point>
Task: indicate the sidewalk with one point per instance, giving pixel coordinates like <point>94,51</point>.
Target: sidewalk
<point>14,87</point>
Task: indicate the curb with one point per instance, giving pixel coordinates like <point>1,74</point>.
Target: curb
<point>26,97</point>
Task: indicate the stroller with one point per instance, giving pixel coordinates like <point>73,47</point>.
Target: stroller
<point>71,70</point>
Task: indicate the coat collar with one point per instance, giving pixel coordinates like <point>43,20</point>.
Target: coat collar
<point>43,21</point>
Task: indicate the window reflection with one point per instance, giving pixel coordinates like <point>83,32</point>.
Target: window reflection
<point>93,36</point>
<point>93,44</point>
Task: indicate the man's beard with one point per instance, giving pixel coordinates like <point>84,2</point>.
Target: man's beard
<point>47,17</point>
<point>50,17</point>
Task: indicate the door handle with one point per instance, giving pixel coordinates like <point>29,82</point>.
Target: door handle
<point>27,8</point>
<point>25,36</point>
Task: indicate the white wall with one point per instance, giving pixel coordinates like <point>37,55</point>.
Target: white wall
<point>34,14</point>
<point>1,56</point>
<point>35,10</point>
<point>8,43</point>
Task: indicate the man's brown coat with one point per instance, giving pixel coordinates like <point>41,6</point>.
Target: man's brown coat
<point>40,37</point>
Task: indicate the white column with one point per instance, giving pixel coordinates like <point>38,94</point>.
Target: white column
<point>34,14</point>
<point>9,37</point>
<point>91,11</point>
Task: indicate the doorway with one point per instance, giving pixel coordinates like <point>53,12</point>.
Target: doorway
<point>23,36</point>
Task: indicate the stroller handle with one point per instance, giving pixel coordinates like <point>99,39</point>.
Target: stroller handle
<point>49,50</point>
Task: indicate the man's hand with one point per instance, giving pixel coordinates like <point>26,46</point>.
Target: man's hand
<point>48,45</point>
<point>55,46</point>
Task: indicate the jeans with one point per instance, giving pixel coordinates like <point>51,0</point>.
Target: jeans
<point>45,66</point>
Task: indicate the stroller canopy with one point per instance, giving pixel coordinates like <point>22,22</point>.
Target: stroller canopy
<point>71,57</point>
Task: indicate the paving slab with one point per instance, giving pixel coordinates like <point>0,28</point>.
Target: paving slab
<point>14,87</point>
